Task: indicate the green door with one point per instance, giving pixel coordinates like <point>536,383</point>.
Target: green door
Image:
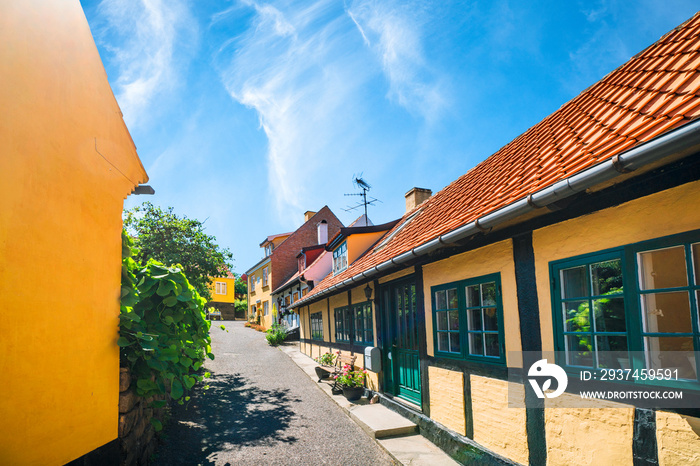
<point>400,345</point>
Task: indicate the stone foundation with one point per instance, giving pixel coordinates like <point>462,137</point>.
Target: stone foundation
<point>137,440</point>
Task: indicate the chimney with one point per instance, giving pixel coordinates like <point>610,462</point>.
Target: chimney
<point>322,229</point>
<point>308,214</point>
<point>415,196</point>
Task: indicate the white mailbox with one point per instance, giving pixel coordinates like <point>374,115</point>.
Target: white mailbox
<point>373,359</point>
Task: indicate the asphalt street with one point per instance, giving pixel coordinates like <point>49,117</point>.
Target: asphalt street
<point>261,409</point>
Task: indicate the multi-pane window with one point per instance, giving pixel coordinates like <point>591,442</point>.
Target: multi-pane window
<point>316,320</point>
<point>641,297</point>
<point>220,288</point>
<point>447,321</point>
<point>264,277</point>
<point>354,324</point>
<point>266,307</point>
<point>343,324</point>
<point>364,327</point>
<point>295,296</point>
<point>592,307</point>
<point>340,258</point>
<point>252,283</point>
<point>468,319</point>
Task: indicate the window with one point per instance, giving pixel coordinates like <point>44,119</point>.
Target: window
<point>343,324</point>
<point>641,297</point>
<point>220,288</point>
<point>304,292</point>
<point>591,305</point>
<point>364,330</point>
<point>252,283</point>
<point>468,319</point>
<point>295,297</point>
<point>287,300</point>
<point>264,277</point>
<point>340,258</point>
<point>268,249</point>
<point>316,320</point>
<point>354,324</point>
<point>266,308</point>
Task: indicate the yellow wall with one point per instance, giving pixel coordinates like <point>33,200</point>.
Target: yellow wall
<point>678,439</point>
<point>447,398</point>
<point>489,259</point>
<point>361,242</point>
<point>397,275</point>
<point>638,220</point>
<point>496,425</point>
<point>229,297</point>
<point>589,436</point>
<point>261,293</point>
<point>60,235</point>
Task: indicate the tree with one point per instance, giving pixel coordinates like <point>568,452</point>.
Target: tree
<point>164,236</point>
<point>241,286</point>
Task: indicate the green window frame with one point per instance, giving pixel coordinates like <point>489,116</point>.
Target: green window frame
<point>343,324</point>
<point>660,296</point>
<point>353,324</point>
<point>316,321</point>
<point>363,323</point>
<point>468,319</point>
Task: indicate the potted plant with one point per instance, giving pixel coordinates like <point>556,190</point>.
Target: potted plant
<point>352,382</point>
<point>328,360</point>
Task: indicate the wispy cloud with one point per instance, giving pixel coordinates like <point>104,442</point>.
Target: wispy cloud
<point>393,30</point>
<point>307,72</point>
<point>148,33</point>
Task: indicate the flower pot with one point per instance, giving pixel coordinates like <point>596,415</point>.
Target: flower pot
<point>322,372</point>
<point>353,393</point>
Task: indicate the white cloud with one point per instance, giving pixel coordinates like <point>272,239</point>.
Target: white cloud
<point>148,33</point>
<point>307,73</point>
<point>395,29</point>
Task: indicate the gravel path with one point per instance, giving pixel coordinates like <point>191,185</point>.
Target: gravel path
<point>261,409</point>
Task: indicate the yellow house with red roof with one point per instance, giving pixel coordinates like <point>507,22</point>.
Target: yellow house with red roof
<point>568,259</point>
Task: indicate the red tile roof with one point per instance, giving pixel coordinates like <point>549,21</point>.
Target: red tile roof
<point>654,92</point>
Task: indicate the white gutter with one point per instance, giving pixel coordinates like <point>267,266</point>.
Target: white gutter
<point>684,138</point>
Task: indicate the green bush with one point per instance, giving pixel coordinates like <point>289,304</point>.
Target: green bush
<point>164,335</point>
<point>275,335</point>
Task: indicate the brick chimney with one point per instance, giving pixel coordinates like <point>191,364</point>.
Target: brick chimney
<point>308,214</point>
<point>415,196</point>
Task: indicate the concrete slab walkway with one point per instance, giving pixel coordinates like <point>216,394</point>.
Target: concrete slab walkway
<point>391,430</point>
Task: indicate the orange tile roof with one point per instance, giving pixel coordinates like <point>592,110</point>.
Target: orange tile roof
<point>654,92</point>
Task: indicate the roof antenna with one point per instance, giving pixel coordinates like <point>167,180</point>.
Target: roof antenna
<point>364,186</point>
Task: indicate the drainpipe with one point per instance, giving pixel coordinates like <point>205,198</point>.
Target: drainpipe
<point>683,139</point>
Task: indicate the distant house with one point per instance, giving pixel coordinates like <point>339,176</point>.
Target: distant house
<point>223,295</point>
<point>67,164</point>
<point>579,238</point>
<point>280,261</point>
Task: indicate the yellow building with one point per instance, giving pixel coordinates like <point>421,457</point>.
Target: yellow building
<point>577,243</point>
<point>67,164</point>
<point>223,296</point>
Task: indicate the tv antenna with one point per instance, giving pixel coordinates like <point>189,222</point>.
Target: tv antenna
<point>365,187</point>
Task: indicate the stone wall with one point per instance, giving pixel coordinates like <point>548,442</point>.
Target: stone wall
<point>137,440</point>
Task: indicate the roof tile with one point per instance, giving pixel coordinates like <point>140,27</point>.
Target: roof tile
<point>655,91</point>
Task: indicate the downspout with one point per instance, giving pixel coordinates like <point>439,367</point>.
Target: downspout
<point>673,142</point>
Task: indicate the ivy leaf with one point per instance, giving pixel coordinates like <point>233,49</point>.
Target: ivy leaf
<point>170,301</point>
<point>168,319</point>
<point>132,316</point>
<point>124,342</point>
<point>157,404</point>
<point>176,390</point>
<point>210,356</point>
<point>156,424</point>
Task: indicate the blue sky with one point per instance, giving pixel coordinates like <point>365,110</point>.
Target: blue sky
<point>248,113</point>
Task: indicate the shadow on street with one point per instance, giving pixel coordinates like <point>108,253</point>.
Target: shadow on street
<point>232,414</point>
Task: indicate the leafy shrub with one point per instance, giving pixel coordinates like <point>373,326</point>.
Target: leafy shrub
<point>275,335</point>
<point>164,334</point>
<point>327,358</point>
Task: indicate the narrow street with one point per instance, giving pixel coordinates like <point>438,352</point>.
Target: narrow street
<point>261,409</point>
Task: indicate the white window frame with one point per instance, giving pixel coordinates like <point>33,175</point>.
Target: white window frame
<point>266,308</point>
<point>265,277</point>
<point>221,288</point>
<point>340,258</point>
